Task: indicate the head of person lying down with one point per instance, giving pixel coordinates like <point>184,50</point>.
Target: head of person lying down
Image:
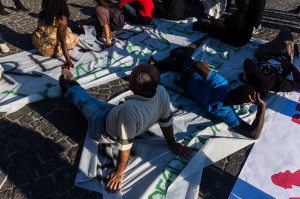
<point>240,95</point>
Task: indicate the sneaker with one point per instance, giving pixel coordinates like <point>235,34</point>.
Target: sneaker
<point>21,8</point>
<point>3,177</point>
<point>4,48</point>
<point>255,31</point>
<point>4,12</point>
<point>151,61</point>
<point>67,80</point>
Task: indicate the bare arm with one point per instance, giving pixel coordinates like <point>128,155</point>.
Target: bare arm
<point>202,68</point>
<point>62,32</point>
<point>175,147</point>
<point>107,36</point>
<point>253,131</point>
<point>114,179</point>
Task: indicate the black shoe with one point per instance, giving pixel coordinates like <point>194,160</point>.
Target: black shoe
<point>21,8</point>
<point>4,12</point>
<point>67,80</point>
<point>152,61</point>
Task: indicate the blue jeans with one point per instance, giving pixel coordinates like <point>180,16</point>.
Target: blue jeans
<point>94,111</point>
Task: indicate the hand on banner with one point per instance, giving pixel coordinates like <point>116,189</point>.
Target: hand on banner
<point>181,150</point>
<point>114,180</point>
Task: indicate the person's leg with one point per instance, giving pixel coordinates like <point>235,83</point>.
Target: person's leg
<point>260,8</point>
<point>129,11</point>
<point>185,62</point>
<point>253,73</point>
<point>94,110</point>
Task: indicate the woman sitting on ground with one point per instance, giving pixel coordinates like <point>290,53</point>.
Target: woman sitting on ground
<point>235,30</point>
<point>52,36</point>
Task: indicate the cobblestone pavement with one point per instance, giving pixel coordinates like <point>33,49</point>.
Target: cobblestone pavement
<point>41,144</point>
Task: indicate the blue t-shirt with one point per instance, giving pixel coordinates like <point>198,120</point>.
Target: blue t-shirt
<point>210,94</point>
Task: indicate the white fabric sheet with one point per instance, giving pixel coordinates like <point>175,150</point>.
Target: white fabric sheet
<point>153,171</point>
<point>273,166</point>
<point>29,77</point>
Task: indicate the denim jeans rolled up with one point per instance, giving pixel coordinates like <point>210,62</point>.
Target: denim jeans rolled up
<point>94,110</point>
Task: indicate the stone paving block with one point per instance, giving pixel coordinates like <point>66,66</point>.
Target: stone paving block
<point>21,192</point>
<point>6,194</point>
<point>46,168</point>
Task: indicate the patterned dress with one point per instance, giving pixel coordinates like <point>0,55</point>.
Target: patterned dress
<point>45,40</point>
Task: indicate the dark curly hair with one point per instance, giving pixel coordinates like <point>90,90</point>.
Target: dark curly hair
<point>52,9</point>
<point>105,3</point>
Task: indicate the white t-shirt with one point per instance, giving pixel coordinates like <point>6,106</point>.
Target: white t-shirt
<point>136,115</point>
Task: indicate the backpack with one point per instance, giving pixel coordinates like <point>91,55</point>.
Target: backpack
<point>116,18</point>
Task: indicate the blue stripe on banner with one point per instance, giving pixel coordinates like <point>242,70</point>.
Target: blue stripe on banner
<point>245,190</point>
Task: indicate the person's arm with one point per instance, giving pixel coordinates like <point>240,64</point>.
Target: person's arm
<point>202,68</point>
<point>114,179</point>
<point>62,32</point>
<point>253,131</point>
<point>177,148</point>
<point>107,36</point>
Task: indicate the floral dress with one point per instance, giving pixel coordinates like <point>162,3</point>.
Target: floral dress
<point>45,40</point>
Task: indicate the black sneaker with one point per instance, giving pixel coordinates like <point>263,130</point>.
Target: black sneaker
<point>67,80</point>
<point>21,8</point>
<point>152,61</point>
<point>4,12</point>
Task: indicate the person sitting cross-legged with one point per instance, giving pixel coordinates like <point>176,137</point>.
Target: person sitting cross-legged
<point>212,92</point>
<point>121,123</point>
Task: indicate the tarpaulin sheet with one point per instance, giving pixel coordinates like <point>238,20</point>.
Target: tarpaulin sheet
<point>272,169</point>
<point>30,77</point>
<point>153,171</point>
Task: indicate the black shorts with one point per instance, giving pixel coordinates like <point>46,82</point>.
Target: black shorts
<point>280,83</point>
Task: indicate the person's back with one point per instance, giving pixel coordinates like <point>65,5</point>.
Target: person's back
<point>137,114</point>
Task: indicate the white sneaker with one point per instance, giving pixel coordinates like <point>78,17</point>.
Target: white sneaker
<point>4,48</point>
<point>255,31</point>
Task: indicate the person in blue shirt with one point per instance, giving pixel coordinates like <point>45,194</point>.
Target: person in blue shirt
<point>212,92</point>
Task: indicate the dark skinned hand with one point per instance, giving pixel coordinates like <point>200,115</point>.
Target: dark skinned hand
<point>180,150</point>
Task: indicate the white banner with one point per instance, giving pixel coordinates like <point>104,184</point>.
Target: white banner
<point>30,77</point>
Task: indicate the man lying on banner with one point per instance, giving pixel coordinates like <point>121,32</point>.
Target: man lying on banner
<point>274,65</point>
<point>212,92</point>
<point>108,123</point>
